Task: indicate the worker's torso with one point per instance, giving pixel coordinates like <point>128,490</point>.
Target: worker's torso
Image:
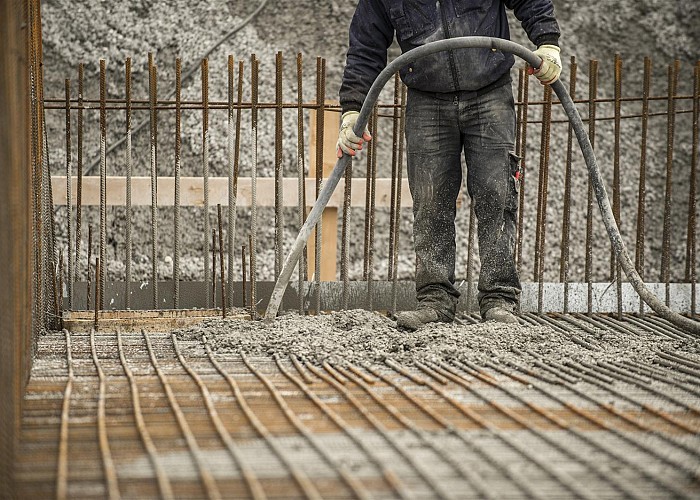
<point>420,21</point>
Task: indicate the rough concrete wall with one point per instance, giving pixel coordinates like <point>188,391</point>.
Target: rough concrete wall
<point>663,29</point>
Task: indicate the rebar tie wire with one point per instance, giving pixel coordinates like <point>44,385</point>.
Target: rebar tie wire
<point>494,44</point>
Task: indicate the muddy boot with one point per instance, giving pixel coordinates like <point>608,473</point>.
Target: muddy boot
<point>413,320</point>
<point>500,314</point>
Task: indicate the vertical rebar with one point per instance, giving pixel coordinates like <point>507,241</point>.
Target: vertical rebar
<point>279,223</point>
<point>230,172</point>
<point>543,187</point>
<point>345,236</point>
<point>253,311</point>
<point>153,93</point>
<point>615,269</point>
<point>320,116</point>
<point>127,161</point>
<point>368,197</point>
<point>205,170</point>
<point>213,268</point>
<point>641,200</point>
<point>397,211</point>
<point>690,272</point>
<point>88,268</point>
<point>69,197</point>
<point>392,203</point>
<point>670,135</point>
<point>59,298</point>
<point>79,194</point>
<point>522,152</point>
<point>221,260</point>
<point>98,293</point>
<point>373,180</point>
<point>566,213</point>
<point>243,277</point>
<point>233,183</point>
<point>592,96</point>
<point>254,186</point>
<point>301,182</point>
<point>103,182</point>
<point>178,154</point>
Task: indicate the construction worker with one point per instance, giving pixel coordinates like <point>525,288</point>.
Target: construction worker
<point>459,101</point>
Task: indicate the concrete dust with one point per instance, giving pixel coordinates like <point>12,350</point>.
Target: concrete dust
<point>364,337</point>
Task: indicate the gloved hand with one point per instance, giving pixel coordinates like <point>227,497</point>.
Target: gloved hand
<point>550,69</point>
<point>348,142</point>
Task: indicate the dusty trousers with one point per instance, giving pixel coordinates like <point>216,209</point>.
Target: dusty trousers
<point>439,128</point>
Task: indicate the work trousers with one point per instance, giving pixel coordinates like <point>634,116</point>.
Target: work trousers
<point>439,128</point>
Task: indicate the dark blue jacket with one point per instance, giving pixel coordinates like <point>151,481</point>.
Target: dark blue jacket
<point>416,22</point>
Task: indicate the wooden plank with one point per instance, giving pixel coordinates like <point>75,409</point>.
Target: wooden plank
<point>135,321</point>
<point>329,218</point>
<point>192,191</point>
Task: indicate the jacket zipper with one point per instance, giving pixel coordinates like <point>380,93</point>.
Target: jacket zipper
<point>450,53</point>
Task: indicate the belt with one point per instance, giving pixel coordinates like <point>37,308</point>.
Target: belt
<point>466,94</point>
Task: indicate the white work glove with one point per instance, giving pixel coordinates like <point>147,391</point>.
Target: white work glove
<point>550,69</point>
<point>348,142</point>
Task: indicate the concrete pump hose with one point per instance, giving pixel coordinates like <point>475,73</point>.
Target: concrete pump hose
<point>657,305</point>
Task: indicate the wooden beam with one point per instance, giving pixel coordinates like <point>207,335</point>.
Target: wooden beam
<point>329,218</point>
<point>192,191</point>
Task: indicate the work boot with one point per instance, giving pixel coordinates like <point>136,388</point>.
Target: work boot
<point>413,320</point>
<point>500,314</point>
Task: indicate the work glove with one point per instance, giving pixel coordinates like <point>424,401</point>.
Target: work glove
<point>348,142</point>
<point>550,69</point>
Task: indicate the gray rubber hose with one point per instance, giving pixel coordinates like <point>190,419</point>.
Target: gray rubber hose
<point>331,182</point>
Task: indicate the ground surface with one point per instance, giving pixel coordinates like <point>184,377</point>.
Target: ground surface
<point>557,407</point>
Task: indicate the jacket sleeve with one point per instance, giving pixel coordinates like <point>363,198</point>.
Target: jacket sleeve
<point>537,19</point>
<point>371,34</point>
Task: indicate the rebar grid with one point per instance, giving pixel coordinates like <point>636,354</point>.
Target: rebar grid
<point>243,425</point>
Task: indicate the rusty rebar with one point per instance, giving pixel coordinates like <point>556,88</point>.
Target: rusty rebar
<point>372,212</point>
<point>690,271</point>
<point>221,261</point>
<point>89,259</point>
<point>320,123</point>
<point>345,236</point>
<point>153,92</point>
<point>394,152</point>
<point>79,194</point>
<point>522,152</point>
<point>243,277</point>
<point>69,196</point>
<point>670,135</point>
<point>103,182</point>
<point>397,211</point>
<point>98,293</point>
<point>128,165</point>
<point>566,212</point>
<point>232,194</point>
<point>615,269</point>
<point>178,153</point>
<point>213,268</point>
<point>279,222</point>
<point>205,170</point>
<point>301,183</point>
<point>254,187</point>
<point>233,184</point>
<point>592,93</point>
<point>641,200</point>
<point>543,194</point>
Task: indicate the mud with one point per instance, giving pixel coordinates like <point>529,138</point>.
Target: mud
<point>363,337</point>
